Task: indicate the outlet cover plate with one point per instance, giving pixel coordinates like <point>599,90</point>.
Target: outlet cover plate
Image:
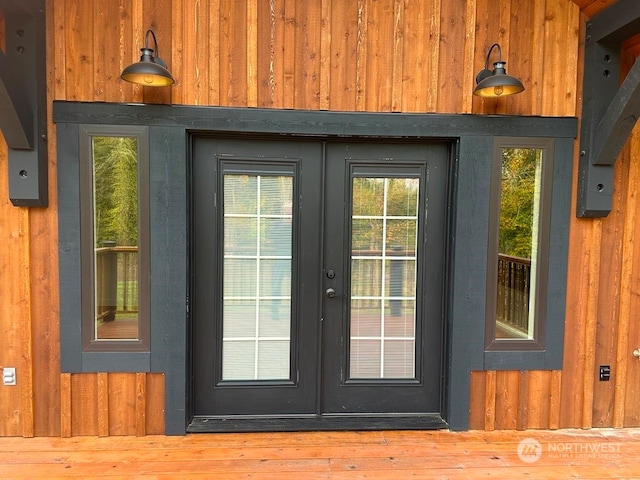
<point>8,376</point>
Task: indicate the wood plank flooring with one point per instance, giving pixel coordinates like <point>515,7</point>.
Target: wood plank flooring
<point>570,454</point>
<point>126,328</point>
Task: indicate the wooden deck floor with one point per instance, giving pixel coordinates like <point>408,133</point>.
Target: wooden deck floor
<point>574,454</point>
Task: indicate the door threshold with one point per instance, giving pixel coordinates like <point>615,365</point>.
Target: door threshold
<point>292,423</point>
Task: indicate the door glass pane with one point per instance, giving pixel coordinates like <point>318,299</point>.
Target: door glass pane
<point>256,304</point>
<point>115,215</point>
<point>384,228</point>
<point>520,194</point>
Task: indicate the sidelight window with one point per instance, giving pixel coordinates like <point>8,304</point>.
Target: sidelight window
<point>114,236</point>
<point>519,245</point>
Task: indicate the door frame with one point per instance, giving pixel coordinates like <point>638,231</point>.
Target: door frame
<point>169,129</point>
<point>209,153</point>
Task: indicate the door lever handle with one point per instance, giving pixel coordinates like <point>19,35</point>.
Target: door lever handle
<point>330,292</point>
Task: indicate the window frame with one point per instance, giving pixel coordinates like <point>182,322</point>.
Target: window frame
<point>542,265</point>
<point>74,155</point>
<point>544,350</point>
<point>87,250</point>
<point>258,166</point>
<point>401,169</point>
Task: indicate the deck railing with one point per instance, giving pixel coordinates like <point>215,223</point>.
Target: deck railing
<point>117,284</point>
<point>399,282</point>
<point>116,281</point>
<point>514,286</point>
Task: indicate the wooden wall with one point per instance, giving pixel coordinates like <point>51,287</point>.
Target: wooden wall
<point>367,55</point>
<point>601,328</point>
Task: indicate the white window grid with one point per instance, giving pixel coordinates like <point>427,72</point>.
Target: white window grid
<point>258,298</point>
<point>383,281</point>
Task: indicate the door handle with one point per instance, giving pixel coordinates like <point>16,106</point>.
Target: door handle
<point>330,292</point>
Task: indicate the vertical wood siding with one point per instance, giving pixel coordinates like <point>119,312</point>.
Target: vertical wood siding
<point>348,55</point>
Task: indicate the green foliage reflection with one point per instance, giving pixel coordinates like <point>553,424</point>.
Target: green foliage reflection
<point>388,205</point>
<point>518,200</point>
<point>116,190</point>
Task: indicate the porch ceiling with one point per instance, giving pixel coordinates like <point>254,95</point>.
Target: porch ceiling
<point>591,7</point>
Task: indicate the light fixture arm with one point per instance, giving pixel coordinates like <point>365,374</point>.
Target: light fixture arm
<point>495,45</point>
<point>155,41</point>
<point>152,52</point>
<point>485,73</point>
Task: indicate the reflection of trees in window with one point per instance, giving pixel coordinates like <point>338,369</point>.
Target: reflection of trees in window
<point>520,190</point>
<point>116,190</point>
<point>115,197</point>
<point>369,201</point>
<point>520,170</point>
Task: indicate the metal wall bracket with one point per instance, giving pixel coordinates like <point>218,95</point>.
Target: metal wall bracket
<point>23,112</point>
<point>609,111</point>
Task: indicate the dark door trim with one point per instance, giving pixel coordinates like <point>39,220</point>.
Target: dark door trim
<point>169,128</point>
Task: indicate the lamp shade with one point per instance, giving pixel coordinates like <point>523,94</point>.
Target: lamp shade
<point>150,71</point>
<point>496,83</point>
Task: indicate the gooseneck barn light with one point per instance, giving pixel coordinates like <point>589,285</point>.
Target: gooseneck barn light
<point>151,70</point>
<point>496,83</point>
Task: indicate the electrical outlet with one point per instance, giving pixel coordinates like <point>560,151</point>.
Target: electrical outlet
<point>8,376</point>
<point>605,373</point>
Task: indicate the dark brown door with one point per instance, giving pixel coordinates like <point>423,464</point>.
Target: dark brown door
<point>317,281</point>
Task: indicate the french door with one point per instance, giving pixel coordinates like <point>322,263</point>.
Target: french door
<point>317,283</point>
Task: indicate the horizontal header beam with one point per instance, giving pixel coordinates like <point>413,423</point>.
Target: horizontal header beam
<point>313,123</point>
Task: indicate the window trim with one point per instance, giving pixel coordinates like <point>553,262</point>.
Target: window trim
<point>258,166</point>
<point>87,208</point>
<point>544,236</point>
<point>545,351</point>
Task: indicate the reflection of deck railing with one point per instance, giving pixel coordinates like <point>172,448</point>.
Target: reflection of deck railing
<point>116,281</point>
<point>366,277</point>
<point>514,284</point>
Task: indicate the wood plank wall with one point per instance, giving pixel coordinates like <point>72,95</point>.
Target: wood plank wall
<point>603,294</point>
<point>366,55</point>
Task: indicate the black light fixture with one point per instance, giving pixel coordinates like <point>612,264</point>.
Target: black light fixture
<point>496,83</point>
<point>151,70</point>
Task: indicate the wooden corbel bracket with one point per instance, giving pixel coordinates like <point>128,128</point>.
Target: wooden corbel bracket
<point>23,112</point>
<point>609,110</point>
